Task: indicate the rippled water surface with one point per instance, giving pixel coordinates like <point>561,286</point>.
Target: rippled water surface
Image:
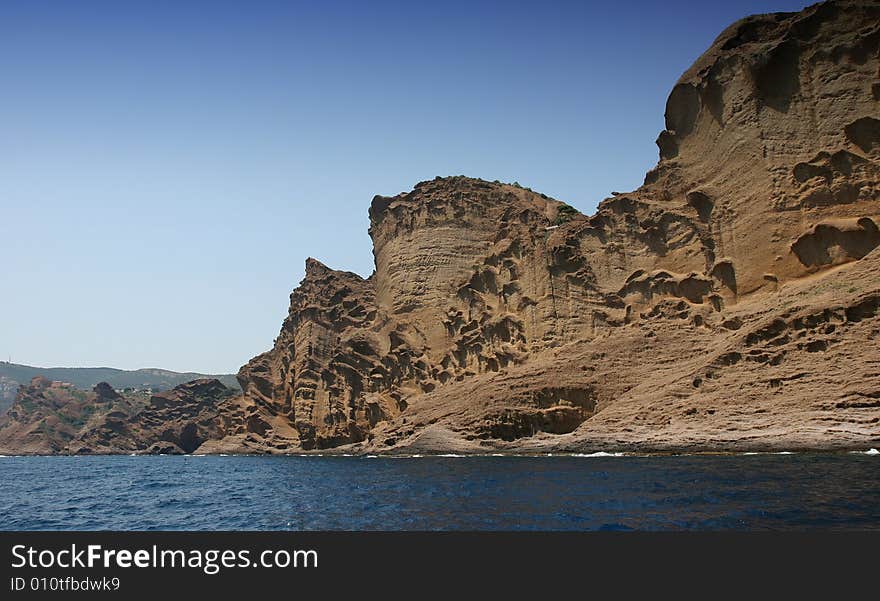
<point>788,492</point>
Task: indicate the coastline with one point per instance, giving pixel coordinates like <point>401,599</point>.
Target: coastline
<point>334,453</point>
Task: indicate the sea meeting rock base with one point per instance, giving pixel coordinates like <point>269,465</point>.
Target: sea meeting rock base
<point>729,304</point>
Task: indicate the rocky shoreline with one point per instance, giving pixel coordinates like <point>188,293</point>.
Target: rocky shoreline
<point>730,304</point>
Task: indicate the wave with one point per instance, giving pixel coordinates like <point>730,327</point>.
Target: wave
<point>598,454</point>
<point>871,451</point>
<point>473,455</point>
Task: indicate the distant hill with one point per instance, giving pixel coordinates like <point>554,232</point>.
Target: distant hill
<point>13,375</point>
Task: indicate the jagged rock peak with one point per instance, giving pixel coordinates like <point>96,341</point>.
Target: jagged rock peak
<point>203,386</point>
<point>316,270</point>
<point>105,392</point>
<point>460,188</point>
<point>314,266</point>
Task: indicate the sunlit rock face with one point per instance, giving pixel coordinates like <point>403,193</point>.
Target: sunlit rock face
<point>489,299</point>
<point>729,303</point>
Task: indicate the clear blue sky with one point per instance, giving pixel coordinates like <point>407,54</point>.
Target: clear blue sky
<point>166,167</point>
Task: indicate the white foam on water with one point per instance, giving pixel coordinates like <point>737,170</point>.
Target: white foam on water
<point>599,454</point>
<point>872,451</point>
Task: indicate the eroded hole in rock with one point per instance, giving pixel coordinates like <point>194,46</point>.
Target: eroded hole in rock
<point>837,241</point>
<point>806,171</point>
<point>682,109</point>
<point>701,202</point>
<point>777,75</point>
<point>257,425</point>
<point>694,288</point>
<point>484,281</point>
<point>816,346</point>
<point>728,359</point>
<point>864,310</point>
<point>864,133</point>
<point>733,323</point>
<point>189,438</point>
<point>724,272</point>
<point>668,146</point>
<point>827,165</point>
<point>511,425</point>
<point>776,328</point>
<point>558,410</point>
<point>844,162</point>
<point>507,329</point>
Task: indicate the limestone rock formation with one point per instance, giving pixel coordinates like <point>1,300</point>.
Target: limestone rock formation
<point>496,314</point>
<point>731,302</point>
<point>171,422</point>
<point>46,416</point>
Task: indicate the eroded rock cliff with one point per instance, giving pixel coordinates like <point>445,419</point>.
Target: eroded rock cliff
<point>175,421</point>
<point>731,302</point>
<point>496,314</point>
<point>46,416</point>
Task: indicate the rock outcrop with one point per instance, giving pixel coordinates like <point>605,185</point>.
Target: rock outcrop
<point>176,421</point>
<point>46,416</point>
<point>729,303</point>
<point>500,318</point>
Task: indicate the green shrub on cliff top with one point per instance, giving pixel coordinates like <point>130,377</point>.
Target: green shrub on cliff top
<point>565,213</point>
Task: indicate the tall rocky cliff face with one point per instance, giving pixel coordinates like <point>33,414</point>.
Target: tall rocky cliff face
<point>467,282</point>
<point>773,131</point>
<point>497,314</point>
<point>494,311</point>
<point>729,303</point>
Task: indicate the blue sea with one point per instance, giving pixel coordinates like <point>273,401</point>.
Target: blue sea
<point>701,492</point>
